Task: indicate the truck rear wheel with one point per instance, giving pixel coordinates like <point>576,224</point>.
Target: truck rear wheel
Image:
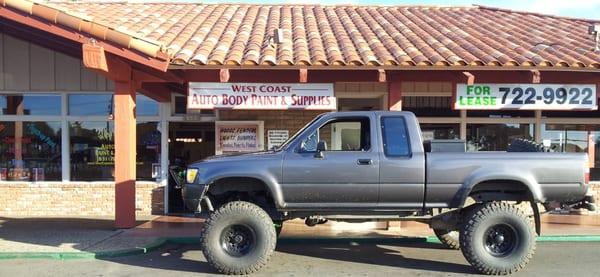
<point>448,238</point>
<point>238,238</point>
<point>497,238</point>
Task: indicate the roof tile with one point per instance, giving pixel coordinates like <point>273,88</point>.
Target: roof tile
<point>241,34</point>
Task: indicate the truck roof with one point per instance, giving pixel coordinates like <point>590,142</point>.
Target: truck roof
<point>380,112</point>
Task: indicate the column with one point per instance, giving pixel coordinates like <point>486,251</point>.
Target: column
<point>125,151</point>
<point>395,96</point>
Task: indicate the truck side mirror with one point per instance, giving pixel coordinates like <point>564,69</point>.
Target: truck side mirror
<point>321,146</point>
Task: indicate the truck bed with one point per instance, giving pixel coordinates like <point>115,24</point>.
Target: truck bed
<point>550,176</point>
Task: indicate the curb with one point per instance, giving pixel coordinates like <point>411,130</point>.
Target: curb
<point>195,240</point>
<point>84,255</point>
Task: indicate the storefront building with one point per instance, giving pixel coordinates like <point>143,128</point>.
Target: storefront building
<point>98,101</point>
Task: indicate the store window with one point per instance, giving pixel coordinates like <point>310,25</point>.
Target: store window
<point>90,104</point>
<point>146,106</point>
<point>29,104</point>
<point>148,151</point>
<point>30,151</point>
<point>496,137</point>
<point>341,135</point>
<point>92,150</point>
<point>577,138</point>
<point>440,131</point>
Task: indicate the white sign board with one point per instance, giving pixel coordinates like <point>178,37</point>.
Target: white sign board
<point>257,96</point>
<point>526,97</point>
<point>238,136</point>
<point>276,137</point>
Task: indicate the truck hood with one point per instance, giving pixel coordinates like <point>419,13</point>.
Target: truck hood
<point>239,157</point>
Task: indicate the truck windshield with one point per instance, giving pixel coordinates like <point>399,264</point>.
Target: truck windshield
<point>285,144</point>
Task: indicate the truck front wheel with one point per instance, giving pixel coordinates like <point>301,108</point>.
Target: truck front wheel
<point>238,238</point>
<point>497,238</point>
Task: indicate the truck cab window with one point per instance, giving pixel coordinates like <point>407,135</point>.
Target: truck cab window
<point>395,136</point>
<point>341,135</point>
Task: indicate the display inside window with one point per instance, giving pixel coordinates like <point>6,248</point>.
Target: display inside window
<point>496,137</point>
<point>92,150</point>
<point>575,138</point>
<point>242,136</point>
<point>30,104</point>
<point>30,151</point>
<point>148,151</point>
<point>431,131</point>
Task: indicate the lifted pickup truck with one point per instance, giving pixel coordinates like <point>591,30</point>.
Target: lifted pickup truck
<point>376,168</point>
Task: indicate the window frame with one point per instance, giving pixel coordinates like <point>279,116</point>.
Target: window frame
<point>343,119</point>
<point>38,117</point>
<point>383,137</point>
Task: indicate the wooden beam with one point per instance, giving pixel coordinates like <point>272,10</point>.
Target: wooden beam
<point>125,151</point>
<point>224,75</point>
<point>382,76</point>
<point>535,76</point>
<point>470,78</point>
<point>303,75</point>
<point>395,96</point>
<point>160,92</point>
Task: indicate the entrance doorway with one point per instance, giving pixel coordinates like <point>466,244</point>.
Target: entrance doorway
<point>188,142</point>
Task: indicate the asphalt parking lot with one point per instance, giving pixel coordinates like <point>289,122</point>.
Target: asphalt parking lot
<point>343,257</point>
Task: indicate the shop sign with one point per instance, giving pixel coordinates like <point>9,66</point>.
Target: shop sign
<point>238,136</point>
<point>257,96</point>
<point>276,138</point>
<point>526,97</point>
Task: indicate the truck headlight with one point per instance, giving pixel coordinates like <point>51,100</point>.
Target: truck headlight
<point>190,175</point>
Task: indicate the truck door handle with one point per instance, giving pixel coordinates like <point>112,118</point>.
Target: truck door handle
<point>364,161</point>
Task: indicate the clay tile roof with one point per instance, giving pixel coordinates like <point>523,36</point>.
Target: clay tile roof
<point>346,36</point>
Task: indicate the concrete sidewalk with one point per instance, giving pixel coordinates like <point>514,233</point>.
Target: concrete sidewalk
<point>97,235</point>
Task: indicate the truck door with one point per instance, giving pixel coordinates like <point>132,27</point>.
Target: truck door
<point>402,170</point>
<point>345,174</point>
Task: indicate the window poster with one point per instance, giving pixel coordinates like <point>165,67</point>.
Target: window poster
<point>238,136</point>
<point>276,137</point>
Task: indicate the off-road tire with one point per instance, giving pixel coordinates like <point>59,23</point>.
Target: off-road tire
<point>262,232</point>
<point>477,227</point>
<point>450,239</point>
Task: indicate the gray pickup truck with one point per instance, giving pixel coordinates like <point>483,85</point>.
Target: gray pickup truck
<point>363,166</point>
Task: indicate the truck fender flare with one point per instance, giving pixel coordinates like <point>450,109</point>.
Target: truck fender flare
<point>270,182</point>
<point>480,177</point>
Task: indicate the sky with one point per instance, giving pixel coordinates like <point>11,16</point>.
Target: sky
<point>589,9</point>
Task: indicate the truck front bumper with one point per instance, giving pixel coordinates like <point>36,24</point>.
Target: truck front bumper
<point>194,196</point>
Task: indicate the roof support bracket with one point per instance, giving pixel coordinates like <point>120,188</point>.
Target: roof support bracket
<point>535,76</point>
<point>470,78</point>
<point>303,75</point>
<point>381,76</point>
<point>224,75</point>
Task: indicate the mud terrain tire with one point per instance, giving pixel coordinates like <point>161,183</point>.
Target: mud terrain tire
<point>497,238</point>
<point>238,238</point>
